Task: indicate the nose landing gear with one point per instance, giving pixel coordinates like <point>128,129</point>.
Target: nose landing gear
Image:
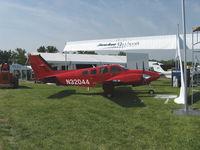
<point>151,91</point>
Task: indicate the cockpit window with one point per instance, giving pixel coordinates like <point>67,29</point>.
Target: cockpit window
<point>103,70</point>
<point>124,68</point>
<point>115,69</point>
<point>93,71</point>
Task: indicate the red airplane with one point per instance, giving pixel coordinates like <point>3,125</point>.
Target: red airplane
<point>109,75</point>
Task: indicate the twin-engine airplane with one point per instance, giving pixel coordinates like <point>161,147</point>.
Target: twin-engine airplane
<point>109,75</point>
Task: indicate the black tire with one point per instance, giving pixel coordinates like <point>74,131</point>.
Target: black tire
<point>108,88</point>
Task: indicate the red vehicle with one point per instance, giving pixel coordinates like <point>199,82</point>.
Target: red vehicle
<point>7,79</point>
<point>109,75</point>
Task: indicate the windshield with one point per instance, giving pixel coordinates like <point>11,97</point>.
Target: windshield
<point>124,68</point>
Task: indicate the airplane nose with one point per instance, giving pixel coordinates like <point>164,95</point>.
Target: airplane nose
<point>156,75</point>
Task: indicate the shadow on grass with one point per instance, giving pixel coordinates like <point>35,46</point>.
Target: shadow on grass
<point>62,94</point>
<point>126,97</point>
<point>24,87</point>
<point>123,96</point>
<point>20,87</point>
<point>162,85</point>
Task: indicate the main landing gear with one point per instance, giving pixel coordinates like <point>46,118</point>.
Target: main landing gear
<point>108,88</point>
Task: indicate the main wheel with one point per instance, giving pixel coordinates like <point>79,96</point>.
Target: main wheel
<point>108,88</point>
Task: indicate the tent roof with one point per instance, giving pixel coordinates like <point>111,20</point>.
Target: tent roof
<point>164,42</point>
<point>84,58</point>
<point>19,67</point>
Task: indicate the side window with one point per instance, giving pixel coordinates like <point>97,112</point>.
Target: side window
<point>85,73</point>
<point>103,70</point>
<point>114,69</point>
<point>63,68</point>
<point>93,71</point>
<point>55,68</point>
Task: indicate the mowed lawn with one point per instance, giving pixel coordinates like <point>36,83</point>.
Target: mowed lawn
<point>40,117</point>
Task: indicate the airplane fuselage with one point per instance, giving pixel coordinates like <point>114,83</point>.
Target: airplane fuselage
<point>109,73</point>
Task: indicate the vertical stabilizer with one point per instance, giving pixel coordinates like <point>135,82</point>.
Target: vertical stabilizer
<point>40,67</point>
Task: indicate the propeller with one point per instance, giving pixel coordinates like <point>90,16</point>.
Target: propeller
<point>136,66</point>
<point>143,68</point>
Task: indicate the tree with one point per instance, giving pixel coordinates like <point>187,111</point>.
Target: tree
<point>6,56</point>
<point>87,52</point>
<point>10,57</point>
<point>48,49</point>
<point>41,49</point>
<point>170,62</point>
<point>122,53</point>
<point>20,57</point>
<point>51,49</point>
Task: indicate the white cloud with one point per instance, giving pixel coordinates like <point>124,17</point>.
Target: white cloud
<point>35,11</point>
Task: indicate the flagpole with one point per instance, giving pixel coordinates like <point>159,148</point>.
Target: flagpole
<point>185,54</point>
<point>185,110</point>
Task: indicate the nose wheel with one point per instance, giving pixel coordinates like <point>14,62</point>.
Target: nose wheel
<point>151,92</point>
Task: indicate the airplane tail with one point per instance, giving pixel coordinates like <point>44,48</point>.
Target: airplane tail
<point>40,67</point>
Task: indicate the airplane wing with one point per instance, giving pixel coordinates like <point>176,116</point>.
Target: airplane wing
<point>126,78</point>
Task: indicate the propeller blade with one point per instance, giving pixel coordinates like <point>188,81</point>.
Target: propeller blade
<point>143,66</point>
<point>136,66</point>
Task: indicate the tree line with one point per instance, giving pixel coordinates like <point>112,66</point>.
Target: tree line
<point>19,55</point>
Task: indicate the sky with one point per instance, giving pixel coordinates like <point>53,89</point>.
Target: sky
<point>29,24</point>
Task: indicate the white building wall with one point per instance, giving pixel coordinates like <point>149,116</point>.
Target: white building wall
<point>137,61</point>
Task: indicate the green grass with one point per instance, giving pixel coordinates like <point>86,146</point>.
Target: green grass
<point>39,116</point>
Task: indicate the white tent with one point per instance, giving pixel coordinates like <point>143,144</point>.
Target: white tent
<point>23,72</point>
<point>166,42</point>
<point>161,43</point>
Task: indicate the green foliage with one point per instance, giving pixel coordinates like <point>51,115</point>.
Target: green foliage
<point>20,56</point>
<point>41,49</point>
<point>17,56</point>
<point>52,49</point>
<point>171,62</point>
<point>121,53</point>
<point>48,49</point>
<point>168,62</point>
<point>6,56</point>
<point>42,117</point>
<point>87,52</point>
